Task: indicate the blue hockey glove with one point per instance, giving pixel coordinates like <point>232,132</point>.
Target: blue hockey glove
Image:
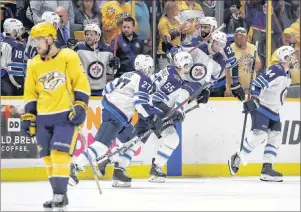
<point>80,113</point>
<point>251,105</point>
<point>28,124</point>
<point>238,91</point>
<point>114,63</point>
<point>204,96</point>
<point>156,124</point>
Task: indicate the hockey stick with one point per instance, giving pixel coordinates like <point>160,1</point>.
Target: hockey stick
<point>85,143</point>
<point>205,39</point>
<point>146,133</point>
<point>252,66</point>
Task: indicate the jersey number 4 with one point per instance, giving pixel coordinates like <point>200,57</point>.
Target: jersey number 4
<point>269,73</point>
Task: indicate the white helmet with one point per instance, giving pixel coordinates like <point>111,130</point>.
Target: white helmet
<point>221,41</point>
<point>183,60</point>
<point>208,21</point>
<point>51,17</point>
<point>145,64</point>
<point>284,52</point>
<point>93,27</point>
<point>13,27</point>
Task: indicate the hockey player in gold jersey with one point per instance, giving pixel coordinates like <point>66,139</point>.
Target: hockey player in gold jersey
<point>55,80</point>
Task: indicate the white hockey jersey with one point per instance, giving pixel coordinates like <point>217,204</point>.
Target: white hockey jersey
<point>271,90</point>
<point>96,64</point>
<point>126,94</point>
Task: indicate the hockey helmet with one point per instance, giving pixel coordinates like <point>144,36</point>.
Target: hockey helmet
<point>208,21</point>
<point>219,40</point>
<point>183,60</point>
<point>51,17</point>
<point>145,64</point>
<point>43,29</point>
<point>286,54</point>
<point>13,27</point>
<point>93,27</point>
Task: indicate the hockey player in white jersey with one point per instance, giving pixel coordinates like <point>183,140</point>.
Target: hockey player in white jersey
<point>168,87</point>
<point>122,97</point>
<point>30,50</point>
<point>12,54</point>
<point>97,59</point>
<point>206,30</point>
<point>268,93</point>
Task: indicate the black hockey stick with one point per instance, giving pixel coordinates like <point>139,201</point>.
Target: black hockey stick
<point>252,66</point>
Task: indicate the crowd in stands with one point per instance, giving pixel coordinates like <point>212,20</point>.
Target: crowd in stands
<point>176,22</point>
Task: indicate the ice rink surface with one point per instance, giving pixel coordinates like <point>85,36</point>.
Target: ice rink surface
<point>174,195</point>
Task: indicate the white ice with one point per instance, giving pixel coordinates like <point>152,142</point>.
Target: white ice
<point>174,195</point>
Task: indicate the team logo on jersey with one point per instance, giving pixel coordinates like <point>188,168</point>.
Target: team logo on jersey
<point>111,9</point>
<point>95,70</point>
<point>52,80</point>
<point>198,71</point>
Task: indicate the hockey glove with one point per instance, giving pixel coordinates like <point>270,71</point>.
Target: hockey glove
<point>204,96</point>
<point>156,124</point>
<point>114,63</point>
<point>79,116</point>
<point>251,105</point>
<point>166,46</point>
<point>177,117</point>
<point>238,91</point>
<point>28,124</point>
<point>195,41</point>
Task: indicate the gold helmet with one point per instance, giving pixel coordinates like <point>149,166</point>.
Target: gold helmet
<point>42,30</point>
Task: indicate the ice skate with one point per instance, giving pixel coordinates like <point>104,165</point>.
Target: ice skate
<point>59,202</point>
<point>233,164</point>
<point>120,179</point>
<point>156,174</point>
<point>48,206</point>
<point>102,166</point>
<point>269,174</point>
<point>74,169</point>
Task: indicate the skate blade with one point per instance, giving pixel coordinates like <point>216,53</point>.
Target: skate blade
<point>232,172</point>
<point>47,209</point>
<point>155,179</point>
<point>119,184</point>
<point>268,178</point>
<point>60,209</point>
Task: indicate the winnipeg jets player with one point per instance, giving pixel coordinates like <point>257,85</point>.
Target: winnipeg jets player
<point>122,97</point>
<point>207,27</point>
<point>30,50</point>
<point>12,53</point>
<point>97,59</point>
<point>268,93</point>
<point>168,87</point>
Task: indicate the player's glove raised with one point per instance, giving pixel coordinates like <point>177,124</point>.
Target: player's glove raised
<point>156,124</point>
<point>204,96</point>
<point>28,124</point>
<point>251,105</point>
<point>114,63</point>
<point>79,116</point>
<point>238,91</point>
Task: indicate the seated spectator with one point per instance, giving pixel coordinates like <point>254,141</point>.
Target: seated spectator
<point>244,51</point>
<point>127,46</point>
<point>38,7</point>
<point>234,15</point>
<point>66,29</point>
<point>144,29</point>
<point>190,12</point>
<point>113,14</point>
<point>170,31</point>
<point>208,7</point>
<point>87,13</point>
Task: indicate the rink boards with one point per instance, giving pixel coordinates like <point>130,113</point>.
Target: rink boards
<point>209,136</point>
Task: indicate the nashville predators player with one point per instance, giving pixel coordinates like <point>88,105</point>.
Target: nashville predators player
<point>55,77</point>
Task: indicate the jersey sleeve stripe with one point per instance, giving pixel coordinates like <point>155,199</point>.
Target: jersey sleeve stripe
<point>142,94</point>
<point>265,82</point>
<point>163,94</point>
<point>140,102</point>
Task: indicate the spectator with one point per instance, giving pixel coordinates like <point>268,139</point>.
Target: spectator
<point>233,15</point>
<point>113,13</point>
<point>144,29</point>
<point>296,30</point>
<point>170,31</point>
<point>208,7</point>
<point>127,46</point>
<point>38,7</point>
<point>21,7</point>
<point>190,12</point>
<point>286,14</point>
<point>87,13</point>
<point>5,13</point>
<point>66,29</point>
<point>244,51</point>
